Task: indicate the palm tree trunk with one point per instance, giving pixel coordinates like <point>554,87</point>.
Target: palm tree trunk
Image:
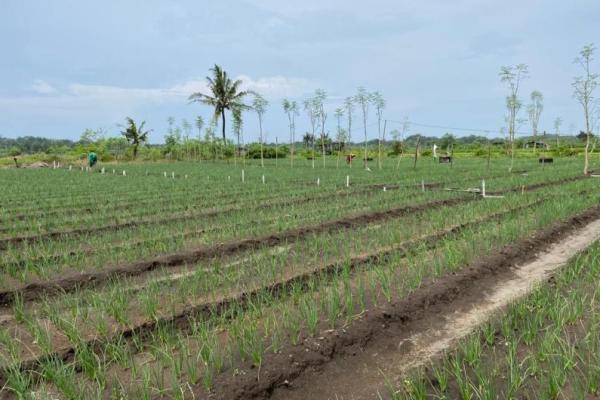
<point>223,124</point>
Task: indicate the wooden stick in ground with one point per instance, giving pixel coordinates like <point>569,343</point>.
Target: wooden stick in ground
<point>416,152</point>
<point>380,139</point>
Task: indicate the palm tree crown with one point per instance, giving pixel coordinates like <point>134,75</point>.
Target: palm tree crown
<point>226,95</point>
<point>135,134</point>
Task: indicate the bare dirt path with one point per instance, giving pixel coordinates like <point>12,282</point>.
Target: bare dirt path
<point>364,373</point>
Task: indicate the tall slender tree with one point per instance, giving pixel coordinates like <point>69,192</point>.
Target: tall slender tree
<point>583,90</point>
<point>313,115</point>
<point>259,104</point>
<point>237,131</point>
<point>291,109</point>
<point>379,104</point>
<point>319,104</point>
<point>557,124</point>
<point>363,98</point>
<point>199,125</point>
<point>226,95</point>
<point>340,136</point>
<point>534,109</point>
<point>403,132</point>
<point>349,107</point>
<point>513,76</point>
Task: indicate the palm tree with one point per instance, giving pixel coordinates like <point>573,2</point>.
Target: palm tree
<point>225,95</point>
<point>135,135</point>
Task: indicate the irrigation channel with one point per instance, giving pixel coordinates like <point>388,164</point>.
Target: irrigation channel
<point>432,320</point>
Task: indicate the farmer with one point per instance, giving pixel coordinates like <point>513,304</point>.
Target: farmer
<point>349,158</point>
<point>92,159</point>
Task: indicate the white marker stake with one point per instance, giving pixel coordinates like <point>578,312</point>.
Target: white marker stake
<point>483,187</point>
<point>242,176</point>
<point>173,175</point>
<point>124,173</point>
<point>113,171</point>
<point>318,181</point>
<point>263,179</point>
<point>58,165</point>
<point>70,167</point>
<point>384,189</point>
<point>165,173</point>
<point>53,164</point>
<point>347,180</point>
<point>229,178</point>
<point>102,170</point>
<point>422,185</point>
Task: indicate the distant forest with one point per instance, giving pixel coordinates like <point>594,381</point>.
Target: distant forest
<point>34,144</point>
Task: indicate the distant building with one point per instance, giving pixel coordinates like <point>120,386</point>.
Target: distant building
<point>538,145</point>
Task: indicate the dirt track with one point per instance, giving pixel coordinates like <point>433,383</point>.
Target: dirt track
<point>342,364</point>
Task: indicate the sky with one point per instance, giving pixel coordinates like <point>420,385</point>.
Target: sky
<point>68,65</point>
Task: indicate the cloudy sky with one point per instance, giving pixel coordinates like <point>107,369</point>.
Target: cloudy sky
<point>68,65</point>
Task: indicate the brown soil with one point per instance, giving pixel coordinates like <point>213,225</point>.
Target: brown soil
<point>344,356</point>
<point>34,290</point>
<point>181,318</point>
<point>264,203</point>
<point>37,289</point>
<point>211,212</point>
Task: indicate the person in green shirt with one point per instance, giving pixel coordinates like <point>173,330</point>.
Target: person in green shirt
<point>92,159</point>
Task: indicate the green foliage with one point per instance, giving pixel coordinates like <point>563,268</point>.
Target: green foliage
<point>269,151</point>
<point>14,151</point>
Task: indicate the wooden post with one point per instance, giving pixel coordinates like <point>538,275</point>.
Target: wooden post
<point>416,152</point>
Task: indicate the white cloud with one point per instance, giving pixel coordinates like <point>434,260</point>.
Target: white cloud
<point>42,87</point>
<point>110,101</point>
<point>278,87</point>
<point>275,87</point>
